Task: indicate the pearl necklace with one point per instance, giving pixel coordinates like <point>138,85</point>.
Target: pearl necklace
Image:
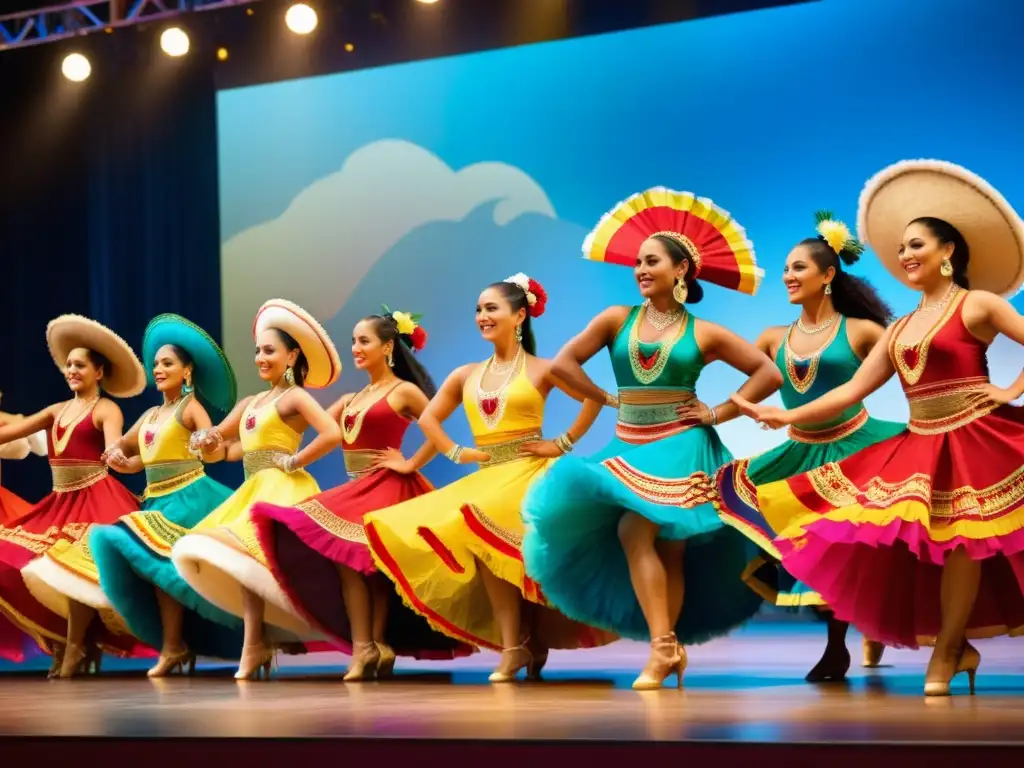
<point>816,329</point>
<point>661,320</point>
<point>499,368</point>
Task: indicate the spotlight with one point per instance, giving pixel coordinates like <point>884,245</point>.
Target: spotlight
<point>301,19</point>
<point>222,54</point>
<point>427,2</point>
<point>174,41</point>
<point>76,67</point>
<point>349,47</point>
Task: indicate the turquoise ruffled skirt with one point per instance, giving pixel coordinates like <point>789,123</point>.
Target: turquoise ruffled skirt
<point>133,557</point>
<point>738,506</point>
<point>572,548</point>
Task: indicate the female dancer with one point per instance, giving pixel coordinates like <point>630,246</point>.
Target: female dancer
<point>312,545</point>
<point>606,535</point>
<point>922,535</point>
<point>91,356</point>
<point>454,555</point>
<point>74,580</point>
<point>841,321</point>
<point>293,353</point>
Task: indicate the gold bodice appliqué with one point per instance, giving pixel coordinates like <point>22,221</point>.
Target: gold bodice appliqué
<point>263,429</point>
<point>166,442</point>
<point>523,411</point>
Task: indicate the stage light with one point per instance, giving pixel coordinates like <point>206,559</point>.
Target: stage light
<point>222,54</point>
<point>301,19</point>
<point>427,2</point>
<point>76,67</point>
<point>349,47</point>
<point>174,41</point>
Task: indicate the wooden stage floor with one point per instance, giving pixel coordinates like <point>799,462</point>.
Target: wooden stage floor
<point>745,688</point>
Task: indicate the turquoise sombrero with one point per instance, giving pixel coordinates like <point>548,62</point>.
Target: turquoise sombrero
<point>213,378</point>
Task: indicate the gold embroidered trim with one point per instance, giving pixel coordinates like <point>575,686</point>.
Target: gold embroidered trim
<point>334,525</point>
<point>165,478</point>
<point>834,487</point>
<point>943,407</point>
<point>685,492</point>
<point>357,463</point>
<point>257,461</point>
<point>507,450</point>
<point>829,434</point>
<point>68,477</point>
<point>155,531</point>
<point>665,347</point>
<point>801,385</point>
<point>897,351</point>
<point>38,543</point>
<point>510,538</point>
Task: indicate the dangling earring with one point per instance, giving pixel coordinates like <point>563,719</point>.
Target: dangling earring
<point>946,268</point>
<point>828,289</point>
<point>391,358</point>
<point>289,376</point>
<point>187,389</point>
<point>519,334</point>
<point>679,291</point>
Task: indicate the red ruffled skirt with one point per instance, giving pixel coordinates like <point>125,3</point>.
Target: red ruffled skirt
<point>12,506</point>
<point>872,532</point>
<point>65,515</point>
<point>305,544</point>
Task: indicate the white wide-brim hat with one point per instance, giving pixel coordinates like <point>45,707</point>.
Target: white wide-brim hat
<point>321,354</point>
<point>123,375</point>
<point>908,190</point>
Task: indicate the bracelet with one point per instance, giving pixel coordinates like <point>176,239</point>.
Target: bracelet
<point>564,442</point>
<point>611,400</point>
<point>453,454</point>
<point>714,416</point>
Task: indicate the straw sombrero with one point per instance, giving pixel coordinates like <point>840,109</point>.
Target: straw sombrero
<point>123,375</point>
<point>213,378</point>
<point>316,345</point>
<point>913,188</point>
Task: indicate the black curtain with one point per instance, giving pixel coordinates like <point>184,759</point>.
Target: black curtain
<point>110,211</point>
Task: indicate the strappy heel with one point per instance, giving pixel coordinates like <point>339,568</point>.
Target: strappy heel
<point>364,663</point>
<point>667,656</point>
<point>174,662</point>
<point>968,662</point>
<point>261,668</point>
<point>512,660</point>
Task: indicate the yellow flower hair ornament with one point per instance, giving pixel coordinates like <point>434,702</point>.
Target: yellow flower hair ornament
<point>409,328</point>
<point>839,238</point>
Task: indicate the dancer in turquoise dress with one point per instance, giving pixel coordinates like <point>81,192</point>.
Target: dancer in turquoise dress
<point>613,539</point>
<point>841,321</point>
<point>132,555</point>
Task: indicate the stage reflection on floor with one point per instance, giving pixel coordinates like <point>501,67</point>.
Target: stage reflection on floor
<point>748,687</point>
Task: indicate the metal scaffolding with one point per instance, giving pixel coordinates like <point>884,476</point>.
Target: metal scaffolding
<point>47,25</point>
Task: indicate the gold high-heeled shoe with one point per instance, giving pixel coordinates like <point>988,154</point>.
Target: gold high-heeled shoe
<point>873,651</point>
<point>386,665</point>
<point>80,660</point>
<point>174,662</point>
<point>264,658</point>
<point>364,662</point>
<point>968,662</point>
<point>511,663</point>
<point>667,656</point>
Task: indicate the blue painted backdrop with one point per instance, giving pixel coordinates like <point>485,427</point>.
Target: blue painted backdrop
<point>417,184</point>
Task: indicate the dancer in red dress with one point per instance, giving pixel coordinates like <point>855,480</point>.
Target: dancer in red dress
<point>91,357</point>
<point>920,537</point>
<point>312,545</point>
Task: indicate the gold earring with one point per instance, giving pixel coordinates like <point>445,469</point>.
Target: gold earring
<point>289,376</point>
<point>391,358</point>
<point>519,334</point>
<point>679,291</point>
<point>946,268</point>
<point>828,289</point>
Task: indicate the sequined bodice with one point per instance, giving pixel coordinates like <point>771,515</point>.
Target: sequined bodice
<point>947,352</point>
<point>263,429</point>
<point>675,362</point>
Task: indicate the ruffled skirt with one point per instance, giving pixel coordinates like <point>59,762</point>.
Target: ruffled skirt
<point>572,546</point>
<point>306,544</point>
<point>871,533</point>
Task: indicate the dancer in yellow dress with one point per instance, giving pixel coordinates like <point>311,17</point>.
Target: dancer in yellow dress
<point>454,554</point>
<point>293,352</point>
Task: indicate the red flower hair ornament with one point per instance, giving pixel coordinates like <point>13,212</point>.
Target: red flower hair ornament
<point>536,296</point>
<point>409,329</point>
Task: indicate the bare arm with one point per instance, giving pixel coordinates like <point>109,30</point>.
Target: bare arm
<point>987,315</point>
<point>764,378</point>
<point>107,416</point>
<point>211,440</point>
<point>30,424</point>
<point>599,333</point>
<point>863,336</point>
<point>443,404</point>
<point>129,443</point>
<point>335,409</point>
<point>585,419</point>
<point>876,369</point>
<point>195,418</point>
<point>328,431</point>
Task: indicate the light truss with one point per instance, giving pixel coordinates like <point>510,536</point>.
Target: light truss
<point>47,25</point>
